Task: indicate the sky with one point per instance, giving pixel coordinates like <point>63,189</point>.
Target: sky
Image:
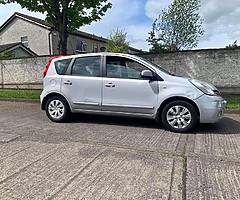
<point>221,20</point>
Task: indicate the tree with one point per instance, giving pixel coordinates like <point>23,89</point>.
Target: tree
<point>117,42</point>
<point>157,45</point>
<point>178,27</point>
<point>66,15</point>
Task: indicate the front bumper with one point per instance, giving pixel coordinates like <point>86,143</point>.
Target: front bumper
<point>211,108</point>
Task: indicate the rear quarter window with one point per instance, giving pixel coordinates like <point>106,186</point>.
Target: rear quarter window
<point>62,65</point>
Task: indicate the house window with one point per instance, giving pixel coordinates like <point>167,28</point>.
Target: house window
<point>102,49</point>
<point>81,47</point>
<point>24,41</point>
<point>95,48</point>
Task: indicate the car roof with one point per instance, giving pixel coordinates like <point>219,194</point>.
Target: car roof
<point>97,54</point>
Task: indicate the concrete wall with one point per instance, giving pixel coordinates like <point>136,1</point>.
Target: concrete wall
<point>37,36</point>
<point>22,73</point>
<point>220,67</point>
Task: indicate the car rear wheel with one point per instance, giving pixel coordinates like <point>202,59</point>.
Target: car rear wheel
<point>179,116</point>
<point>57,109</point>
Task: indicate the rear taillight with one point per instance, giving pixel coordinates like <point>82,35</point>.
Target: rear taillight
<point>48,65</point>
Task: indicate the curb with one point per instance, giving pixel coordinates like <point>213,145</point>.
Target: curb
<point>232,111</point>
<point>20,100</point>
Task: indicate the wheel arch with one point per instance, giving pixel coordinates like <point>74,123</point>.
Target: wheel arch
<point>44,102</point>
<point>176,98</point>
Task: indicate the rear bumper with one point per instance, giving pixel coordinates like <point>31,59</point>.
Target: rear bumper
<point>42,96</point>
<point>211,108</point>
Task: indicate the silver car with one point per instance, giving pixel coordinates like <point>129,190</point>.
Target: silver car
<point>127,85</point>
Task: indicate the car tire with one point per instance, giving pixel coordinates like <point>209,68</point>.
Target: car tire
<point>57,109</point>
<point>179,116</point>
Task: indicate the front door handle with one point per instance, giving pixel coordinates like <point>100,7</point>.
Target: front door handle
<point>68,83</point>
<point>109,85</point>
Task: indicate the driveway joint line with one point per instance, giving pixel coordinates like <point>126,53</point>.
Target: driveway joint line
<point>76,175</point>
<point>24,168</point>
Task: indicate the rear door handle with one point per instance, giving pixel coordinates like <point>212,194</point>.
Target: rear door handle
<point>109,85</point>
<point>68,83</point>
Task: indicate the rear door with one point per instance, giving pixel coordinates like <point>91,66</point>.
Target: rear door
<point>124,90</point>
<point>82,85</point>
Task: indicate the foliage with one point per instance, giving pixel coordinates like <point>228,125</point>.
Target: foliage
<point>177,27</point>
<point>157,45</point>
<point>233,101</point>
<point>233,46</point>
<point>117,42</point>
<point>6,55</point>
<point>66,15</point>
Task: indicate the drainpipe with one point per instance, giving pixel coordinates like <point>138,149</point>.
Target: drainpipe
<point>2,82</point>
<point>49,41</point>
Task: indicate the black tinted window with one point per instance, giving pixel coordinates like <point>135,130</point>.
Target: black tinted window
<point>87,66</point>
<point>62,65</point>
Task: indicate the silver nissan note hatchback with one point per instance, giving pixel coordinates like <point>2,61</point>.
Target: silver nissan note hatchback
<point>127,85</point>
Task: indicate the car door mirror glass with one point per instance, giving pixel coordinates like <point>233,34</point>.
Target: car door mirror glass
<point>146,74</point>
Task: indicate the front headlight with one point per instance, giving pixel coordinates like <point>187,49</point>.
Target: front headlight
<point>205,87</point>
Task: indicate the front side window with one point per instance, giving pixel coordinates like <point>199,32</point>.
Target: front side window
<point>62,65</point>
<point>87,66</point>
<point>118,67</point>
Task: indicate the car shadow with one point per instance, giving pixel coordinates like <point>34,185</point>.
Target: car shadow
<point>224,126</point>
<point>114,120</point>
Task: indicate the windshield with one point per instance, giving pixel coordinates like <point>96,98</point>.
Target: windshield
<point>157,66</point>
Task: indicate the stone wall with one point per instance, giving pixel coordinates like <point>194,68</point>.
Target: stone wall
<point>220,67</point>
<point>22,73</point>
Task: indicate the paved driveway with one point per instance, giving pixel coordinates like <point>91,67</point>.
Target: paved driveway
<point>96,157</point>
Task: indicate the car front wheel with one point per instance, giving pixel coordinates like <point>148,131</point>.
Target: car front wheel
<point>179,116</point>
<point>57,109</point>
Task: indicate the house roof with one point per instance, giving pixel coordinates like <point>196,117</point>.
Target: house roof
<point>12,46</point>
<point>44,24</point>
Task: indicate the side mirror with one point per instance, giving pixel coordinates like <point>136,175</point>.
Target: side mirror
<point>147,74</point>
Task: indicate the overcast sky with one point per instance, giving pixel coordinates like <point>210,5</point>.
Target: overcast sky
<point>221,20</point>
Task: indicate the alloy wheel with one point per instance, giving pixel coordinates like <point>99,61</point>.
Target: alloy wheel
<point>56,109</point>
<point>179,117</point>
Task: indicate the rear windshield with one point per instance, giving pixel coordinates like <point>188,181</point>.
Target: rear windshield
<point>62,65</point>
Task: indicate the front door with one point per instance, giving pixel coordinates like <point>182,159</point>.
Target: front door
<point>124,90</point>
<point>83,86</point>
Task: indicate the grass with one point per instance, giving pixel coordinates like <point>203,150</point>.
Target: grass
<point>233,100</point>
<point>20,94</point>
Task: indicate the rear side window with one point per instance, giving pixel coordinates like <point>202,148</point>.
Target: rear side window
<point>87,66</point>
<point>62,65</point>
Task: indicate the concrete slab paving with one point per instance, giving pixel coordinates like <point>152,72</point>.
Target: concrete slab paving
<point>16,162</point>
<point>5,137</point>
<point>76,170</point>
<point>112,131</point>
<point>212,179</point>
<point>222,139</point>
<point>127,175</point>
<point>97,157</point>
